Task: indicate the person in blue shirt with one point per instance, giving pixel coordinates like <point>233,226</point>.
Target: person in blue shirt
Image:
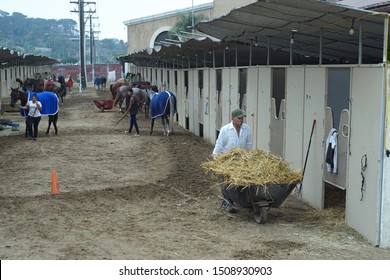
<point>97,83</point>
<point>235,134</point>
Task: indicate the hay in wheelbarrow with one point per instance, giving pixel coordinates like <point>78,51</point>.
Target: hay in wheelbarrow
<point>244,168</point>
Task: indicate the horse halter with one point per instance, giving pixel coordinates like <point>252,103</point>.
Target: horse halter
<point>16,94</point>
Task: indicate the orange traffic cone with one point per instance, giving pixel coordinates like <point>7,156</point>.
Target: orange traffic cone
<point>54,183</point>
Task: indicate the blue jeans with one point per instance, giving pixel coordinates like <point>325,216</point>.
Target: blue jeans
<point>133,122</point>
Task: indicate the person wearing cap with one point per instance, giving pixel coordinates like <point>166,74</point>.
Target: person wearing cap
<point>235,134</point>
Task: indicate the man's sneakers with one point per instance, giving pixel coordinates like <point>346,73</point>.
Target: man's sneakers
<point>228,205</point>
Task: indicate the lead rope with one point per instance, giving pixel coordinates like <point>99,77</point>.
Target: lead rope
<point>363,166</point>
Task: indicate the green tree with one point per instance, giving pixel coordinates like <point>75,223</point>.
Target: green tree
<point>185,24</point>
<point>57,39</point>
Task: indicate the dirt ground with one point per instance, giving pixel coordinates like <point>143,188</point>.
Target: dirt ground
<point>135,198</point>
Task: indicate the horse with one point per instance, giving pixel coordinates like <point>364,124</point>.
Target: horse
<point>140,95</point>
<point>49,102</point>
<point>56,87</point>
<point>114,87</point>
<point>162,105</point>
<point>35,85</point>
<point>103,83</point>
<point>122,90</point>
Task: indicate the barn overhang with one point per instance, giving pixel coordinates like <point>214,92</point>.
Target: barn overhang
<point>10,58</point>
<point>280,32</point>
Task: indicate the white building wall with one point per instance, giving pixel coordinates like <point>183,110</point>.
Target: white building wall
<point>251,101</point>
<point>213,105</point>
<point>225,96</point>
<point>8,78</point>
<point>3,84</point>
<point>206,104</point>
<point>234,90</point>
<point>366,95</point>
<point>385,200</point>
<point>191,99</point>
<point>181,98</point>
<point>295,100</point>
<point>196,100</point>
<point>263,108</point>
<point>385,191</point>
<point>314,110</point>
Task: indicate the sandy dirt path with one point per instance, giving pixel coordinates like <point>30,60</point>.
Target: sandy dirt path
<point>125,197</point>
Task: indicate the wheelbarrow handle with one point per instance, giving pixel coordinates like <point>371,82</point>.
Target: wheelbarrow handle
<point>299,188</point>
<point>308,148</point>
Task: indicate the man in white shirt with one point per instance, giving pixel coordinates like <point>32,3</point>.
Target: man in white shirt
<point>235,134</point>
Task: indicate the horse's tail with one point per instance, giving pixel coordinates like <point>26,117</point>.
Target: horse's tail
<point>116,98</point>
<point>112,91</point>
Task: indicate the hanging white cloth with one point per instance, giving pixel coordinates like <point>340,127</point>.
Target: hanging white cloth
<point>331,151</point>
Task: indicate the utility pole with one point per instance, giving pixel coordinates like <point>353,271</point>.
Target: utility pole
<point>91,45</point>
<point>192,20</point>
<point>81,10</point>
<point>92,50</point>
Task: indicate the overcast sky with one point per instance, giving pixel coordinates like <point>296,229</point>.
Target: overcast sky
<point>110,13</point>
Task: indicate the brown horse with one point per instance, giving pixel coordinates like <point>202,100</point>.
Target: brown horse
<point>103,83</point>
<point>57,88</point>
<point>140,95</point>
<point>114,87</point>
<point>35,85</point>
<point>122,93</point>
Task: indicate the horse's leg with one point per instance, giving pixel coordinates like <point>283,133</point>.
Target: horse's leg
<point>171,113</point>
<point>151,126</point>
<point>120,104</point>
<point>168,125</point>
<point>55,118</point>
<point>48,127</point>
<point>163,121</point>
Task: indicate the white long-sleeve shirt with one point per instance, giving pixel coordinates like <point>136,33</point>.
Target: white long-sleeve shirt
<point>228,139</point>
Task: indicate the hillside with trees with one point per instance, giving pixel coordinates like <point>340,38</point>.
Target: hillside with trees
<point>58,39</point>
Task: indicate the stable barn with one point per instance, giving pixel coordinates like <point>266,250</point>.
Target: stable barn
<point>298,68</point>
<point>19,65</point>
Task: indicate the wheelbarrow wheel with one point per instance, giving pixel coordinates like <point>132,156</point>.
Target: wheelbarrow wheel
<point>101,108</point>
<point>260,214</point>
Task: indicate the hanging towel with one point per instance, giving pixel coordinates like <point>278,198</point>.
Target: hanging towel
<point>331,151</point>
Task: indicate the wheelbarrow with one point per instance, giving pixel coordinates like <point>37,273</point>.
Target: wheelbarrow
<point>258,198</point>
<point>104,104</point>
